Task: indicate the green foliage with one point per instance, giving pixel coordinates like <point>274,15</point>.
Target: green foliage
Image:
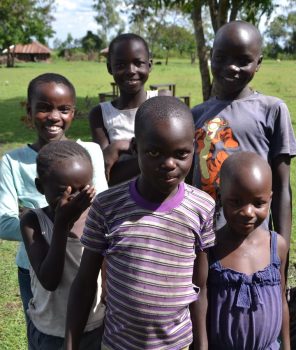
<point>108,18</point>
<point>91,42</point>
<point>23,20</point>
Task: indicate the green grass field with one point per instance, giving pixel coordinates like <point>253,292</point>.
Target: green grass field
<point>90,78</point>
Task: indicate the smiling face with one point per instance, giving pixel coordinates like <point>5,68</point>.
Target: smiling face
<point>51,110</point>
<point>236,57</point>
<point>246,196</point>
<point>130,65</point>
<point>73,172</point>
<point>165,152</point>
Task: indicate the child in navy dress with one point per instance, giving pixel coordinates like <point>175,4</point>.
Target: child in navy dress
<point>246,282</point>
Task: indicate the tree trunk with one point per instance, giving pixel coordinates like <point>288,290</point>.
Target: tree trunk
<point>167,58</point>
<point>201,49</point>
<point>10,57</point>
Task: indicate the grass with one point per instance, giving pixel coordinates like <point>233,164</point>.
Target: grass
<point>90,78</point>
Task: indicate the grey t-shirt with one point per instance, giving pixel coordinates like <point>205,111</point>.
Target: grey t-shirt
<point>257,123</point>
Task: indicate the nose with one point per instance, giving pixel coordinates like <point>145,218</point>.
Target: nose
<point>54,114</point>
<point>233,68</point>
<point>248,210</point>
<point>131,69</point>
<point>168,163</point>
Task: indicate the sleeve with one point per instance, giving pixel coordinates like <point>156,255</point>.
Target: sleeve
<point>95,228</point>
<point>207,235</point>
<point>96,154</point>
<point>283,138</point>
<point>9,208</point>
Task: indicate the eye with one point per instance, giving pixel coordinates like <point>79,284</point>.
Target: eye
<point>139,63</point>
<point>153,154</point>
<point>218,58</point>
<point>182,154</point>
<point>260,203</point>
<point>43,107</point>
<point>65,109</point>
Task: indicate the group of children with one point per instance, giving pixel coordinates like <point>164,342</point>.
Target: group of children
<point>181,265</point>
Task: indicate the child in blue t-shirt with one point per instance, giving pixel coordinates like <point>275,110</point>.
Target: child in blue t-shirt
<point>240,119</point>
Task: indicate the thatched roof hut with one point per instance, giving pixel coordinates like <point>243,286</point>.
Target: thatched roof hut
<point>32,52</point>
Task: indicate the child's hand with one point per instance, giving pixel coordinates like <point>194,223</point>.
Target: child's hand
<point>71,206</point>
<point>113,152</point>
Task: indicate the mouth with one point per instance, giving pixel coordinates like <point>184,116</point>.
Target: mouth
<point>53,129</point>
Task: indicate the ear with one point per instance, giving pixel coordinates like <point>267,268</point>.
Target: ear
<point>109,68</point>
<point>134,145</point>
<point>38,185</point>
<point>259,63</point>
<point>150,63</point>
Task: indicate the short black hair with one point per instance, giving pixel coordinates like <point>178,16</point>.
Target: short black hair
<point>125,37</point>
<point>161,108</point>
<point>56,152</point>
<point>243,24</point>
<point>48,78</point>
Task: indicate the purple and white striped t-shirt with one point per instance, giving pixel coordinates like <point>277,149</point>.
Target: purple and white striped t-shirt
<point>150,251</point>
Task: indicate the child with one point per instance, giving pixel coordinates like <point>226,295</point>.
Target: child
<point>112,123</point>
<point>51,236</point>
<point>153,232</point>
<point>246,282</point>
<point>50,107</point>
<point>240,119</point>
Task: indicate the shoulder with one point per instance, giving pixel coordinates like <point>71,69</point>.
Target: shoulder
<point>29,220</point>
<point>199,199</point>
<point>269,102</point>
<point>282,247</point>
<point>93,148</point>
<point>20,154</point>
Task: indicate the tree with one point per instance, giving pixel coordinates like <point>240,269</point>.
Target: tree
<point>22,20</point>
<point>108,18</point>
<point>220,13</point>
<point>91,42</point>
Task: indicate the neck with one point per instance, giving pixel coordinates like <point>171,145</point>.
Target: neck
<point>40,143</point>
<point>245,92</point>
<point>129,101</point>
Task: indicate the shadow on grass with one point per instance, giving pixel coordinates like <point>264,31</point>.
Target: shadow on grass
<point>15,129</point>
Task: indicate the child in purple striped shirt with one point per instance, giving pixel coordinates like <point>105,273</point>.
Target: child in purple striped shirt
<point>153,232</point>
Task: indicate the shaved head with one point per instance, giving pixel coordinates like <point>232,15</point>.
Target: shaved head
<point>161,108</point>
<point>244,167</point>
<point>244,30</point>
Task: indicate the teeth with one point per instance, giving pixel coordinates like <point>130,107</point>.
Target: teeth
<point>53,128</point>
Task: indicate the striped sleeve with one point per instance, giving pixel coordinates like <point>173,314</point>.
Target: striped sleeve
<point>95,229</point>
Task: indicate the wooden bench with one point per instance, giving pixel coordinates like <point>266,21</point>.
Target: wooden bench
<point>185,99</point>
<point>106,96</point>
<point>170,86</point>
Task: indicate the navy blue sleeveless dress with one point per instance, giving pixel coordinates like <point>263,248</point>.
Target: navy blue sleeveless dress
<point>245,311</point>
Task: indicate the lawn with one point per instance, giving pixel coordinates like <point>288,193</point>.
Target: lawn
<point>90,78</point>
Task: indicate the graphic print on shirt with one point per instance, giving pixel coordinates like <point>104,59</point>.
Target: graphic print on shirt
<point>214,143</point>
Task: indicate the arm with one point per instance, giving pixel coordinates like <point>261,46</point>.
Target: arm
<point>124,170</point>
<point>48,260</point>
<point>285,334</point>
<point>281,205</point>
<point>82,293</point>
<point>111,151</point>
<point>198,309</point>
<point>9,208</point>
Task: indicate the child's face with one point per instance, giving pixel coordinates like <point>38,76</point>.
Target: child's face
<point>76,173</point>
<point>165,153</point>
<point>130,65</point>
<point>235,59</point>
<point>51,111</point>
<point>246,201</point>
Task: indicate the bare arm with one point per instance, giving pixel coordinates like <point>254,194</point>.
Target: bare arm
<point>283,252</point>
<point>48,260</point>
<point>281,205</point>
<point>112,151</point>
<point>198,309</point>
<point>82,293</point>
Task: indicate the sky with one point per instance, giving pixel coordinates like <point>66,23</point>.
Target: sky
<point>77,17</point>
